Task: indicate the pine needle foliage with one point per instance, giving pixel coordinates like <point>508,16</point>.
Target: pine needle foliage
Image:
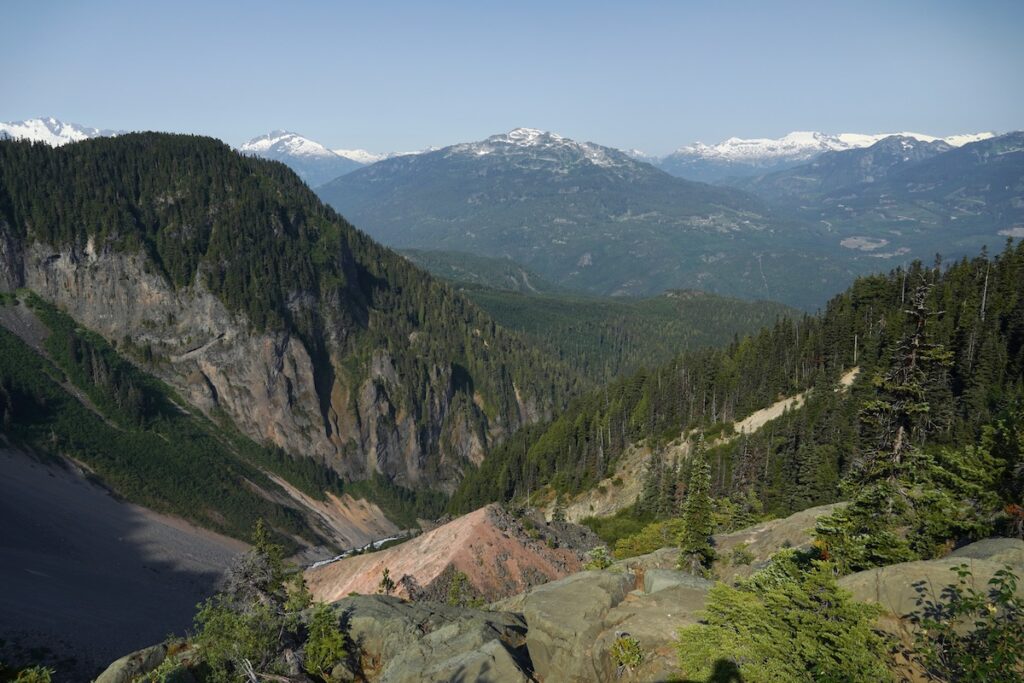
<point>790,624</point>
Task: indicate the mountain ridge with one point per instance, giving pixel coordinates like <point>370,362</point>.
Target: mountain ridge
<point>739,157</point>
<point>581,215</point>
<point>314,162</point>
<point>51,131</point>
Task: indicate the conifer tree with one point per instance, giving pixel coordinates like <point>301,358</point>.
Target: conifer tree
<point>907,500</point>
<point>695,552</point>
<point>902,409</point>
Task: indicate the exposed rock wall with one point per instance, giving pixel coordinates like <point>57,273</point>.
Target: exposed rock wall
<point>265,382</point>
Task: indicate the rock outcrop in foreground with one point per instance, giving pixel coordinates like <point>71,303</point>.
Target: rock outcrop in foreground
<point>499,553</point>
<point>565,630</point>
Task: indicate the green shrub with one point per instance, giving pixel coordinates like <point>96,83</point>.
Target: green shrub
<point>652,537</point>
<point>228,637</point>
<point>968,634</point>
<point>245,632</point>
<point>35,674</point>
<point>325,643</point>
<point>387,584</point>
<point>740,555</point>
<point>598,558</point>
<point>786,625</point>
<point>618,526</point>
<point>626,653</point>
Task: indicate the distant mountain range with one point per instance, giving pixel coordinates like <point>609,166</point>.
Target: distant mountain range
<point>595,219</point>
<point>312,161</point>
<point>795,220</point>
<point>836,169</point>
<point>581,215</point>
<point>52,131</point>
<point>728,160</point>
<point>739,157</point>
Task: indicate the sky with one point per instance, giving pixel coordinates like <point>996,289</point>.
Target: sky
<point>402,76</point>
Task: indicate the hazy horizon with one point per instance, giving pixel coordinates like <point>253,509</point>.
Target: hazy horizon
<point>402,77</point>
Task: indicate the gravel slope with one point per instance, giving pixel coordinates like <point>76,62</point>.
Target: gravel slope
<point>89,577</point>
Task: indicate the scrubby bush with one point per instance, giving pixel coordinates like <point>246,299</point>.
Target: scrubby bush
<point>598,558</point>
<point>253,629</point>
<point>966,634</point>
<point>626,653</point>
<point>652,537</point>
<point>785,624</point>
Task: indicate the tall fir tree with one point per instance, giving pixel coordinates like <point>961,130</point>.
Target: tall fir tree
<point>695,551</point>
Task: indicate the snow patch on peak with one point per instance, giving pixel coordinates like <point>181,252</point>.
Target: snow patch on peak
<point>51,131</point>
<point>542,146</point>
<point>361,156</point>
<point>967,138</point>
<point>802,145</point>
<point>286,142</point>
<point>529,136</point>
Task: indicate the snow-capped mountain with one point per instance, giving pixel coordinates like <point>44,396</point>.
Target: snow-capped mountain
<point>579,214</point>
<point>52,131</point>
<point>282,142</point>
<point>312,161</point>
<point>537,150</point>
<point>739,157</point>
<point>844,168</point>
<point>361,156</point>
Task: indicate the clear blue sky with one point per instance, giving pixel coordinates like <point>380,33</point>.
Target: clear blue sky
<point>402,76</point>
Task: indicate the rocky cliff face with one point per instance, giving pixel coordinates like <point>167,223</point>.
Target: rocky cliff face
<point>225,276</point>
<point>265,382</point>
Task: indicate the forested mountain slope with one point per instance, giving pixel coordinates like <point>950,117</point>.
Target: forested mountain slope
<point>600,337</point>
<point>471,269</point>
<point>606,337</point>
<point>583,216</point>
<point>833,170</point>
<point>225,276</point>
<point>902,198</point>
<point>976,312</point>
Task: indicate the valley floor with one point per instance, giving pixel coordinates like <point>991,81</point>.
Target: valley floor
<point>88,577</point>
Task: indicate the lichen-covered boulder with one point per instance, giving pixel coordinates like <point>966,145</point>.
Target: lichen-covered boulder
<point>564,619</point>
<point>893,587</point>
<point>131,666</point>
<point>660,579</point>
<point>1002,550</point>
<point>403,642</point>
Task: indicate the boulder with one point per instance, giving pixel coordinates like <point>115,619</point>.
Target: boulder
<point>574,623</point>
<point>1002,550</point>
<point>565,618</point>
<point>653,620</point>
<point>659,579</point>
<point>763,540</point>
<point>401,642</point>
<point>130,667</point>
<point>663,558</point>
<point>892,587</point>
